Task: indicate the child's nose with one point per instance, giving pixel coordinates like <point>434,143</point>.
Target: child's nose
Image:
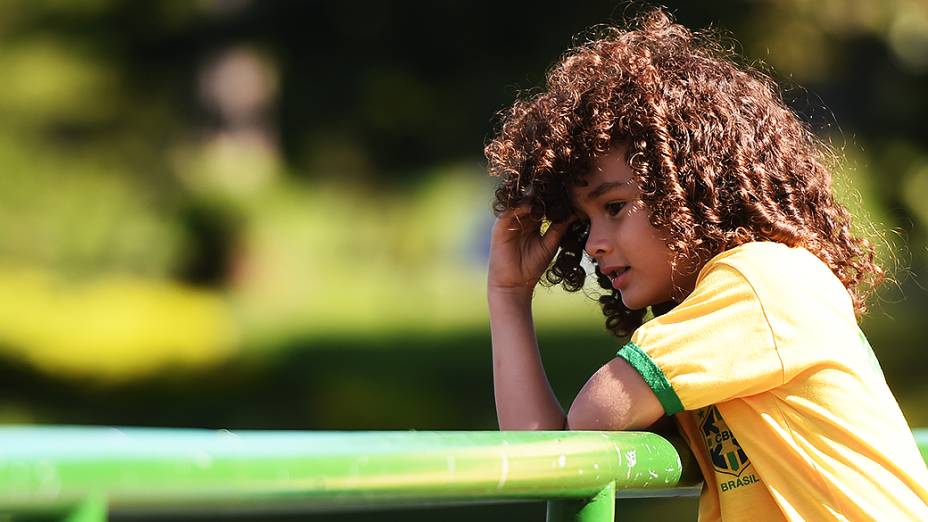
<point>596,245</point>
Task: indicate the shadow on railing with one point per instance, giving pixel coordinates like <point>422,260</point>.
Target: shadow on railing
<point>83,473</point>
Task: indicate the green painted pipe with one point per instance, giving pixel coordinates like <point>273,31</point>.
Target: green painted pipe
<point>600,508</point>
<point>55,469</point>
<point>921,437</point>
<point>83,472</point>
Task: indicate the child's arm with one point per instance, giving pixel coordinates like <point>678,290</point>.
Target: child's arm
<point>519,255</point>
<point>524,398</point>
<point>615,398</point>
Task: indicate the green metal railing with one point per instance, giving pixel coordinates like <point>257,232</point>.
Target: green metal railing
<point>83,473</point>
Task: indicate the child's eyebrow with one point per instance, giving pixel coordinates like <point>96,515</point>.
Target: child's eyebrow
<point>606,187</point>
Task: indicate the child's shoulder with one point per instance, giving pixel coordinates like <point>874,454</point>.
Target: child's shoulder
<point>778,272</point>
<point>779,263</point>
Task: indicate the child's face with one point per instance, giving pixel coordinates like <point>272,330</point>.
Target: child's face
<point>626,247</point>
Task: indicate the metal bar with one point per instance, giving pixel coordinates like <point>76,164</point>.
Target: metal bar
<point>160,470</point>
<point>81,472</point>
<point>91,509</point>
<point>600,508</point>
<point>921,438</point>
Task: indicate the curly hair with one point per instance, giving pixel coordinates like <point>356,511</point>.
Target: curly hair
<point>720,159</point>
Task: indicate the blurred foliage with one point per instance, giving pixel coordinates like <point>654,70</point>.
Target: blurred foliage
<point>239,214</point>
<point>87,327</point>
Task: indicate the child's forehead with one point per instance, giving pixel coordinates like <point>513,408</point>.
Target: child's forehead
<point>594,186</point>
<point>611,166</point>
<point>609,173</point>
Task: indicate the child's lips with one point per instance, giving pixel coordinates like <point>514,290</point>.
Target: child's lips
<point>618,275</point>
<point>620,279</point>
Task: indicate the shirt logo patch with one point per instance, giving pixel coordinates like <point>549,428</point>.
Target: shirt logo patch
<point>724,451</point>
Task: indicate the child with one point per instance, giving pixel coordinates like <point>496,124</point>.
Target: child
<point>696,192</point>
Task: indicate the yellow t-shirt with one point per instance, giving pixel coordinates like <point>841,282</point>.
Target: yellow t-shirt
<point>779,395</point>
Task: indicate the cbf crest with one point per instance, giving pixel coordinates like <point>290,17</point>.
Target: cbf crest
<point>724,451</point>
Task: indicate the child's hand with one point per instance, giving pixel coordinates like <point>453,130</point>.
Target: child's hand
<point>519,253</point>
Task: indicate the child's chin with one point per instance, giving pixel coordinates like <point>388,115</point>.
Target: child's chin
<point>633,304</point>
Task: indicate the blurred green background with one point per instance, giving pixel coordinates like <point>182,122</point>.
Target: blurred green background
<point>240,214</point>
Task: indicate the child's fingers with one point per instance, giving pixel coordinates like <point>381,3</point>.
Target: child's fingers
<point>517,218</point>
<point>555,232</point>
<point>524,209</point>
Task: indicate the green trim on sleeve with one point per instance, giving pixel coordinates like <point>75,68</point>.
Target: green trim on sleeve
<point>652,375</point>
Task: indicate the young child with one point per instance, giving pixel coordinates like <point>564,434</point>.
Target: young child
<point>696,192</point>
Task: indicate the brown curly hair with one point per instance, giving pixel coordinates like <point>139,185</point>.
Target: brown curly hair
<point>719,157</point>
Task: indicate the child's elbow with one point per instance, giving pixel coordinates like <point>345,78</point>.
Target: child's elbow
<point>616,398</point>
<point>584,416</point>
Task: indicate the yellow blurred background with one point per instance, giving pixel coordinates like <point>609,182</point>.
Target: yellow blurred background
<point>275,214</point>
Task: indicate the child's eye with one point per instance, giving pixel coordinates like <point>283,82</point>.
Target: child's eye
<point>614,207</point>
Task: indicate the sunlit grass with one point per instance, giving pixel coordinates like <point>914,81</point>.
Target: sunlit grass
<point>114,327</point>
